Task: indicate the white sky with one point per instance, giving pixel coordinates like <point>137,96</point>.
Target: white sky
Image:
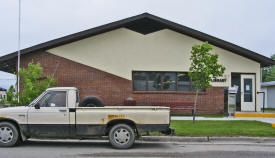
<point>247,23</point>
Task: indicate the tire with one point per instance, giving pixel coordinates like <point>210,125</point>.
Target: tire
<point>126,140</point>
<point>91,101</point>
<point>9,135</point>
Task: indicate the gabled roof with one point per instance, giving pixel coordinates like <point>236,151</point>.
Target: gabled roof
<point>144,23</point>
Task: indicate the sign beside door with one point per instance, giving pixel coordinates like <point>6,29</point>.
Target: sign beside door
<point>247,92</point>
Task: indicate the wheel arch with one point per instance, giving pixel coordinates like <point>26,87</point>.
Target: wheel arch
<point>120,121</point>
<point>16,124</point>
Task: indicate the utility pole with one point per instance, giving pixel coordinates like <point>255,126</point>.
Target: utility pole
<point>18,52</point>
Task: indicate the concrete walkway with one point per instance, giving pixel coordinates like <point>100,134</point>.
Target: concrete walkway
<point>262,119</point>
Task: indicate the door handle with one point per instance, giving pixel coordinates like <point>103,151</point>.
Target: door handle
<point>21,115</point>
<point>62,110</point>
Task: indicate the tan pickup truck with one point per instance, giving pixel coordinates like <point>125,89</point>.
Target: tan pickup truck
<point>57,113</point>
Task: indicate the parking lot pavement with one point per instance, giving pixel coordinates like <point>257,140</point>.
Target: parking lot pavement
<point>69,148</point>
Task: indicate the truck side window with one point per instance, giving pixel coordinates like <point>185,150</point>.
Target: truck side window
<point>53,99</point>
<point>77,97</point>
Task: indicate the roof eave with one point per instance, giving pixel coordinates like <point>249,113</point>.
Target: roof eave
<point>264,61</point>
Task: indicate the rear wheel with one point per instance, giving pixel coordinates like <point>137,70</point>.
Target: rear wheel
<point>9,135</point>
<point>122,136</point>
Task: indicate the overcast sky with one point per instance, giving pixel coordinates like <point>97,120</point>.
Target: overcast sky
<point>247,23</point>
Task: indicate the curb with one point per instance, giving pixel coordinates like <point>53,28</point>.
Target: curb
<point>175,139</point>
<point>205,139</point>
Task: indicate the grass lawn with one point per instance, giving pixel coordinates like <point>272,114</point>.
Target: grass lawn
<point>269,109</point>
<point>222,128</point>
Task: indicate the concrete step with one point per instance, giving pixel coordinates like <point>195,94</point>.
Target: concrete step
<point>254,114</point>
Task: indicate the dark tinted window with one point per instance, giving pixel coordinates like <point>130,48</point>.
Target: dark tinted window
<point>154,81</point>
<point>77,97</point>
<point>161,81</point>
<point>248,90</point>
<point>139,79</point>
<point>184,83</point>
<point>169,81</point>
<point>53,99</point>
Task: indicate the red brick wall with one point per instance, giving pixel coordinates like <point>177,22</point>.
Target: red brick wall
<point>113,90</point>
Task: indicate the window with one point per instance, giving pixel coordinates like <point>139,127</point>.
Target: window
<point>169,81</point>
<point>77,97</point>
<point>161,81</point>
<point>248,90</point>
<point>139,79</point>
<point>184,83</point>
<point>53,99</point>
<point>154,81</point>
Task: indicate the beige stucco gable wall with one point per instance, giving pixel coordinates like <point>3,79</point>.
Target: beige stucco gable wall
<point>121,51</point>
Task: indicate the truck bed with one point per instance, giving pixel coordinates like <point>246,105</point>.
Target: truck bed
<point>139,114</point>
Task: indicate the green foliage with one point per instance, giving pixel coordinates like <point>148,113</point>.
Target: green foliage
<point>204,66</point>
<point>223,128</point>
<point>157,82</point>
<point>2,101</point>
<point>268,73</point>
<point>33,85</point>
<point>33,82</point>
<point>11,99</point>
<point>10,94</point>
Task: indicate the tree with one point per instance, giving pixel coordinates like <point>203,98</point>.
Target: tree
<point>268,73</point>
<point>204,66</point>
<point>12,96</point>
<point>33,83</point>
<point>11,99</point>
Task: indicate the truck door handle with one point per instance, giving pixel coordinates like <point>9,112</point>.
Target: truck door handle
<point>62,110</point>
<point>21,115</point>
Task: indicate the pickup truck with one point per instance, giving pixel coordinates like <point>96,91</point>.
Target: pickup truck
<point>56,114</point>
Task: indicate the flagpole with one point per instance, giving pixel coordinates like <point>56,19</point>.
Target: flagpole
<point>18,52</point>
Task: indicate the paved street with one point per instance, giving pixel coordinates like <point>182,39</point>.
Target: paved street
<point>49,149</point>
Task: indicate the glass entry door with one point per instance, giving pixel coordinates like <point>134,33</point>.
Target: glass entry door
<point>248,93</point>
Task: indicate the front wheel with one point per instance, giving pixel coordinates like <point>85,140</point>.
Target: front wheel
<point>9,135</point>
<point>122,136</point>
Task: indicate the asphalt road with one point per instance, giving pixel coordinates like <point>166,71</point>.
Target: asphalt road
<point>84,149</point>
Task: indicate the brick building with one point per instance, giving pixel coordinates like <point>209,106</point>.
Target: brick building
<point>145,58</point>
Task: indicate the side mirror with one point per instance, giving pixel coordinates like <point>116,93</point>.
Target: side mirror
<point>37,106</point>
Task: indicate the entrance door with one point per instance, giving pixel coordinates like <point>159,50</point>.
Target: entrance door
<point>52,118</point>
<point>236,82</point>
<point>247,92</point>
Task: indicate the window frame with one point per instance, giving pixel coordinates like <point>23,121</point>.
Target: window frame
<point>162,74</point>
<point>46,92</point>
